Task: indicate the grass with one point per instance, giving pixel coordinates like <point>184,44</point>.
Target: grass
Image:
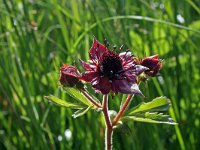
<point>36,37</point>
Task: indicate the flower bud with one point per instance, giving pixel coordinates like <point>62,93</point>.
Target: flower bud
<point>69,75</point>
<point>153,63</point>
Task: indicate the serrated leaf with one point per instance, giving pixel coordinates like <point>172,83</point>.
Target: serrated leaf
<point>151,118</point>
<point>150,112</point>
<point>77,95</point>
<point>63,103</point>
<point>81,112</point>
<point>157,104</point>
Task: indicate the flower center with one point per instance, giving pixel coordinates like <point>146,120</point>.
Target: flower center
<point>110,65</point>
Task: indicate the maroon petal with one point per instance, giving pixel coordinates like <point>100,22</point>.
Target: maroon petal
<point>126,87</point>
<point>88,76</point>
<point>153,63</point>
<point>132,73</point>
<point>126,56</point>
<point>101,85</point>
<point>130,76</point>
<point>139,69</point>
<point>97,49</point>
<point>87,67</point>
<point>153,57</point>
<point>69,75</point>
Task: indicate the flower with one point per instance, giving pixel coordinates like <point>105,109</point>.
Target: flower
<point>69,75</point>
<point>109,71</point>
<point>153,63</point>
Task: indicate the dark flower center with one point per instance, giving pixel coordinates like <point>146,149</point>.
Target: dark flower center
<point>110,65</point>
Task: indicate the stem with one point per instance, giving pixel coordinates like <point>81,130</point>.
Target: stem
<point>123,108</point>
<point>85,93</point>
<point>108,138</point>
<point>109,129</point>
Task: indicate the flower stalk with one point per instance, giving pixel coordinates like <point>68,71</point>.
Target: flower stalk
<point>121,111</point>
<point>109,129</point>
<point>87,95</point>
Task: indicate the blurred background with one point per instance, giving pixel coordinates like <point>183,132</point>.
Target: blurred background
<point>38,36</point>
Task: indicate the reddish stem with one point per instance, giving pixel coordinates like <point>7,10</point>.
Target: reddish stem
<point>85,93</point>
<point>108,138</point>
<point>109,129</point>
<point>123,108</point>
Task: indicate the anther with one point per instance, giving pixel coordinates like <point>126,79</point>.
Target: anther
<point>120,49</point>
<point>105,42</point>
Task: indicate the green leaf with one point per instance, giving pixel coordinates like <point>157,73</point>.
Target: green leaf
<point>77,95</point>
<point>81,112</point>
<point>158,104</point>
<point>150,112</point>
<point>63,103</point>
<point>150,118</point>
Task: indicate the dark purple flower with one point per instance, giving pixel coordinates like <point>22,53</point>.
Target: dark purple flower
<point>153,63</point>
<point>69,75</point>
<point>109,71</point>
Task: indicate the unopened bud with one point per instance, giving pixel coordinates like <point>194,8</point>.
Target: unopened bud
<point>69,75</point>
<point>153,63</point>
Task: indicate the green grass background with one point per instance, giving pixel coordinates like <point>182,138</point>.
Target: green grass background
<point>37,36</point>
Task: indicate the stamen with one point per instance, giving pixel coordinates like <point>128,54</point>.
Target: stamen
<point>111,65</point>
<point>120,49</point>
<point>114,47</point>
<point>106,43</point>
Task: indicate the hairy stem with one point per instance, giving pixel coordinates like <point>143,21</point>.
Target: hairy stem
<point>109,129</point>
<point>108,138</point>
<point>95,103</point>
<point>123,108</point>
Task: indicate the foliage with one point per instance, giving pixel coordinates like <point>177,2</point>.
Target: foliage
<point>150,112</point>
<point>36,37</point>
